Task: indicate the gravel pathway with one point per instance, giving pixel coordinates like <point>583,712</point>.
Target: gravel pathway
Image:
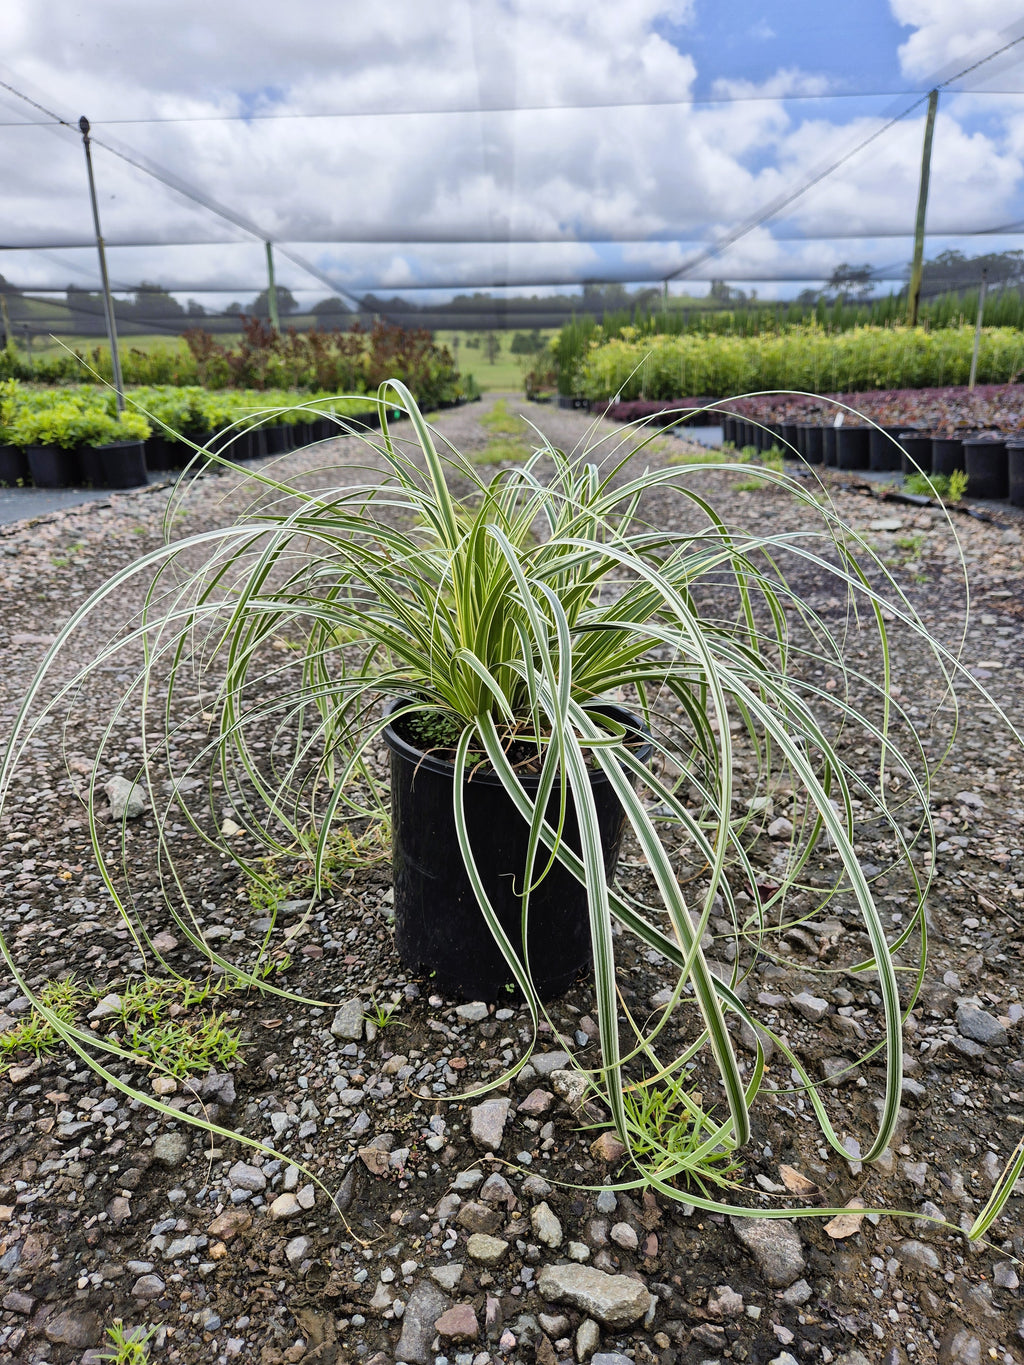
<point>478,1233</point>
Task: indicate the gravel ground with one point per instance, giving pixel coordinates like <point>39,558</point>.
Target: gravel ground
<point>478,1233</point>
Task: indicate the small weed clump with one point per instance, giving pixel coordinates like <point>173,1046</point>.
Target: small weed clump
<point>129,1347</point>
<point>150,1018</point>
<point>947,487</point>
<point>268,888</point>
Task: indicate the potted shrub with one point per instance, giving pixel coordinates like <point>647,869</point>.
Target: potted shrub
<point>494,628</point>
<point>13,464</point>
<point>48,434</point>
<point>111,449</point>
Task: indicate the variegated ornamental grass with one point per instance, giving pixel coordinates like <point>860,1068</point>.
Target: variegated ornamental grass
<point>509,605</point>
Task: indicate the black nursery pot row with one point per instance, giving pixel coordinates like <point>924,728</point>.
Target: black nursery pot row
<point>126,464</point>
<point>994,465</point>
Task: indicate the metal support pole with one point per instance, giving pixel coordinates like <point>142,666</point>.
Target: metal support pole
<point>108,302</point>
<point>275,321</point>
<point>914,298</point>
<point>977,330</point>
<point>5,321</point>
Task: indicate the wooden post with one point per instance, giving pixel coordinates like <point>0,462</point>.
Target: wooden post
<point>914,298</point>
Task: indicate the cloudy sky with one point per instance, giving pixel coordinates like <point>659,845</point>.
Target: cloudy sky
<point>466,143</point>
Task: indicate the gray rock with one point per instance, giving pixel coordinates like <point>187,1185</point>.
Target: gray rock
<point>297,1250</point>
<point>610,1358</point>
<point>474,1013</point>
<point>285,1206</point>
<point>245,1177</point>
<point>448,1276</point>
<point>426,1304</point>
<point>497,1190</point>
<point>466,1180</point>
<point>1005,1277</point>
<point>487,1123</point>
<point>607,1201</point>
<point>545,1063</point>
<point>812,1007</point>
<point>546,1227</point>
<point>128,800</point>
<point>959,1347</point>
<point>918,1256</point>
<point>570,1085</point>
<point>784,1358</point>
<point>724,1302</point>
<point>588,1339</point>
<point>980,1027</point>
<point>147,1287</point>
<point>219,1087</point>
<point>536,1187</point>
<point>797,1294</point>
<point>78,1327</point>
<point>170,1149</point>
<point>624,1236</point>
<point>614,1300</point>
<point>485,1249</point>
<point>775,1245</point>
<point>348,1021</point>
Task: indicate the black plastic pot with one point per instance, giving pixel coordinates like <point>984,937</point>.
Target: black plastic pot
<point>1015,471</point>
<point>121,464</point>
<point>276,439</point>
<point>828,441</point>
<point>811,446</point>
<point>729,424</point>
<point>790,434</point>
<point>852,447</point>
<point>917,453</point>
<point>439,928</point>
<point>947,454</point>
<point>985,460</point>
<point>52,466</point>
<point>885,455</point>
<point>163,454</point>
<point>13,466</point>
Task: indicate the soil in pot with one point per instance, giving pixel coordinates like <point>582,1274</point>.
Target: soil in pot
<point>52,466</point>
<point>439,927</point>
<point>985,460</point>
<point>852,447</point>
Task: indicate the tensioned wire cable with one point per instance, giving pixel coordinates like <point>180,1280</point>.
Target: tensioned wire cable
<point>174,182</point>
<point>696,101</point>
<point>783,201</point>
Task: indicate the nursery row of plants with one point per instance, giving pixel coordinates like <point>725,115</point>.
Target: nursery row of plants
<point>984,465</point>
<point>334,361</point>
<point>67,436</point>
<point>632,365</point>
<point>1003,308</point>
